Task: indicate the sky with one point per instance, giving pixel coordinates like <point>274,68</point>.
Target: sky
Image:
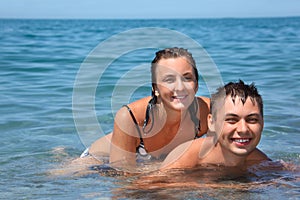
<point>147,9</point>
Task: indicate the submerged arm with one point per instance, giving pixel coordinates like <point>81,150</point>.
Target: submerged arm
<point>183,156</point>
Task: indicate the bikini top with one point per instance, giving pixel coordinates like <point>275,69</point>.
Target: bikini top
<point>141,151</point>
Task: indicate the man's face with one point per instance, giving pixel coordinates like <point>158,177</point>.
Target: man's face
<point>238,126</point>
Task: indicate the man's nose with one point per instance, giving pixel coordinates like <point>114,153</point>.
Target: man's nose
<point>242,126</point>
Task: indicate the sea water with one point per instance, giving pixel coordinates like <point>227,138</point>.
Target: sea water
<point>40,63</point>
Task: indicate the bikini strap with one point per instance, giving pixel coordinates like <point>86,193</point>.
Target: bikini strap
<point>135,122</point>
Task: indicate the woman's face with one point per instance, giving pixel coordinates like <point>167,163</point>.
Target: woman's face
<point>176,83</point>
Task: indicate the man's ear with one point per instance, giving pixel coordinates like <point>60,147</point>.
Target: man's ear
<point>210,123</point>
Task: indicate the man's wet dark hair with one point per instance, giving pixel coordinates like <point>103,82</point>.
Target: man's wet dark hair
<point>234,89</point>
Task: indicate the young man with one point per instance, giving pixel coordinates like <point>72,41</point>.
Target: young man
<point>235,125</point>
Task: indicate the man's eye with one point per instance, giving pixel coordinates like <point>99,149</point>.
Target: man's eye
<point>252,120</point>
<point>231,120</point>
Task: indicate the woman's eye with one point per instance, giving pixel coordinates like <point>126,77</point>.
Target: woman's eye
<point>188,78</point>
<point>169,80</point>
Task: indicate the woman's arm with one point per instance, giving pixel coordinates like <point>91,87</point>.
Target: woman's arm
<point>101,146</point>
<point>124,141</point>
<point>183,156</point>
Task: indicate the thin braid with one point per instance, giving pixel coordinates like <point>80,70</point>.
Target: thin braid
<point>193,110</point>
<point>149,109</point>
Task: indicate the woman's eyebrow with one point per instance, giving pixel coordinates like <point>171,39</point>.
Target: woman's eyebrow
<point>188,74</point>
<point>168,75</point>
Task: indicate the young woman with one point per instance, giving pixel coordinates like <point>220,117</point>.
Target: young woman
<point>151,127</point>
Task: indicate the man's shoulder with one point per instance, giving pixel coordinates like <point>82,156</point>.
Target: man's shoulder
<point>257,155</point>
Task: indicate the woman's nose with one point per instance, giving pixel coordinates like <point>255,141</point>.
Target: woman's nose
<point>179,85</point>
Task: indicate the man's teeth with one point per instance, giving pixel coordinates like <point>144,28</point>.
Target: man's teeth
<point>241,140</point>
<point>179,97</point>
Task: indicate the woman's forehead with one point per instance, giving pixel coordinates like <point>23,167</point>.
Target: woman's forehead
<point>174,65</point>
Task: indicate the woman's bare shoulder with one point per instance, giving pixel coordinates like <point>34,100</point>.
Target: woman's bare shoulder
<point>139,107</point>
<point>140,102</point>
<point>204,101</point>
<point>136,107</point>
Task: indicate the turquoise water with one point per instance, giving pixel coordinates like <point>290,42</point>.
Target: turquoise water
<point>39,63</point>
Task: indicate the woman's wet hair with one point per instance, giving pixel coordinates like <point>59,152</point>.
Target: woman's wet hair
<point>167,53</point>
<point>236,89</point>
